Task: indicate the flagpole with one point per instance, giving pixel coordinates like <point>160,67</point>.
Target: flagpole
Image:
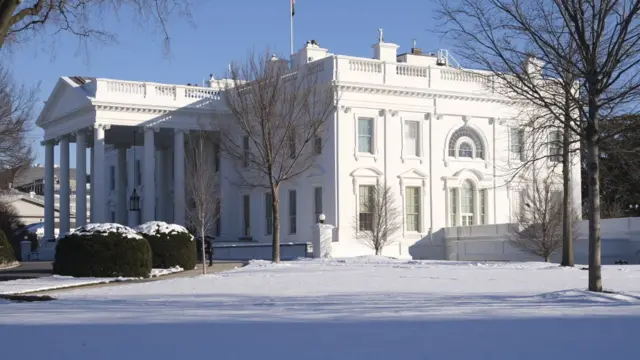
<point>291,25</point>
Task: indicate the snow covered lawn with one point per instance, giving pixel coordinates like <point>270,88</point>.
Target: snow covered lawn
<point>367,308</point>
<point>54,282</point>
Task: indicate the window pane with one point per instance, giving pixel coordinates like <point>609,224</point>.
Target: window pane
<point>483,197</point>
<point>246,203</point>
<point>466,150</point>
<point>472,135</point>
<point>365,135</point>
<point>412,208</point>
<point>317,200</point>
<point>366,208</point>
<point>466,198</point>
<point>292,212</point>
<point>411,136</point>
<point>268,199</point>
<point>453,205</point>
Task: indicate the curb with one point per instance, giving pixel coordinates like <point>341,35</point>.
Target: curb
<point>10,266</point>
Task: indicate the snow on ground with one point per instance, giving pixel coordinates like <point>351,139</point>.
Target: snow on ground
<point>365,308</point>
<point>54,282</point>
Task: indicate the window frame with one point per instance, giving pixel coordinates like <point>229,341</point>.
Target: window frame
<point>416,151</point>
<point>371,189</point>
<point>293,212</point>
<point>246,215</point>
<point>516,133</point>
<point>415,214</point>
<point>268,216</point>
<point>371,135</point>
<point>316,214</point>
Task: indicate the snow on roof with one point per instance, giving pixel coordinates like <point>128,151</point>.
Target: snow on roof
<point>106,228</point>
<point>160,227</point>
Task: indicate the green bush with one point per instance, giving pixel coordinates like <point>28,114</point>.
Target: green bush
<point>6,250</point>
<point>171,245</point>
<point>103,250</point>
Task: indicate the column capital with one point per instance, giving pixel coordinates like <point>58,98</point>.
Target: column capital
<point>155,129</point>
<point>179,131</point>
<point>102,126</point>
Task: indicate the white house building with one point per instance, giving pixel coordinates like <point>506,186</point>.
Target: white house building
<point>439,136</point>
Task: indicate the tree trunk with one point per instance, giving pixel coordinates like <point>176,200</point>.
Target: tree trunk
<point>7,8</point>
<point>567,206</point>
<point>546,258</point>
<point>204,256</point>
<point>275,254</point>
<point>593,176</point>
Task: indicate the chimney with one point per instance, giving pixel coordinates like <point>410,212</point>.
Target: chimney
<point>533,65</point>
<point>212,81</point>
<point>384,51</point>
<point>415,50</point>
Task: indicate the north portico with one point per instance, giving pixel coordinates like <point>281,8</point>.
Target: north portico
<point>144,124</point>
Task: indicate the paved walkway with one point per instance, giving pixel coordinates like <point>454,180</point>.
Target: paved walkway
<point>27,270</point>
<point>218,266</point>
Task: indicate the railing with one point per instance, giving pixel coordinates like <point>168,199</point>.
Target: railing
<point>159,92</point>
<point>367,66</point>
<point>412,70</point>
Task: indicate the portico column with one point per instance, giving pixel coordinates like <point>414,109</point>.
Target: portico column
<point>149,188</point>
<point>121,186</point>
<point>81,178</point>
<point>92,175</point>
<point>99,186</point>
<point>49,214</point>
<point>65,211</point>
<point>162,182</point>
<point>178,178</point>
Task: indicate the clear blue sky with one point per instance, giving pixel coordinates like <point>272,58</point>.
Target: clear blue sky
<point>224,31</point>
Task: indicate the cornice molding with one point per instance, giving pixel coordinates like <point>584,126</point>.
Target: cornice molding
<point>154,109</point>
<point>419,93</point>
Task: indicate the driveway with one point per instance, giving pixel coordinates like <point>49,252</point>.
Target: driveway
<point>27,270</point>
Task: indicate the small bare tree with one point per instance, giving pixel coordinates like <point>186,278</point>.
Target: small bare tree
<point>202,186</point>
<point>278,127</point>
<point>541,218</point>
<point>16,119</point>
<point>378,219</point>
<point>21,20</point>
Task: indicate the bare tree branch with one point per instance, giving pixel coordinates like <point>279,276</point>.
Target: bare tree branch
<point>379,218</point>
<point>279,124</point>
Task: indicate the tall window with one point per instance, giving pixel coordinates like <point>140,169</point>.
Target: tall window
<point>517,144</point>
<point>466,203</point>
<point>268,211</point>
<point>317,203</point>
<point>466,142</point>
<point>317,143</point>
<point>292,143</point>
<point>218,220</point>
<point>483,206</point>
<point>246,215</point>
<point>365,135</point>
<point>555,146</point>
<point>453,205</point>
<point>365,211</point>
<point>112,177</point>
<point>413,208</point>
<point>412,138</point>
<point>216,157</point>
<point>245,147</point>
<point>293,212</point>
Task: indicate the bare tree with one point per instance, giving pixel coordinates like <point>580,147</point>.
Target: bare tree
<point>498,33</point>
<point>540,219</point>
<point>202,187</point>
<point>16,119</point>
<point>21,20</point>
<point>278,126</point>
<point>378,219</point>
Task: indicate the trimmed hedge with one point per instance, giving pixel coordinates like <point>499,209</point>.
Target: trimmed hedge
<point>171,245</point>
<point>6,250</point>
<point>103,250</point>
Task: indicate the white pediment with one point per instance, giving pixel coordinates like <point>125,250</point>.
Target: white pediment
<point>412,174</point>
<point>315,171</point>
<point>366,172</point>
<point>67,97</point>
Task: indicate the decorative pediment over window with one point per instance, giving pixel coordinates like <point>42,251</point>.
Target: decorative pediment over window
<point>316,171</point>
<point>479,180</point>
<point>365,174</point>
<point>412,174</point>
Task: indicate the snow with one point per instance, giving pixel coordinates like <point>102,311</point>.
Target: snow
<point>23,286</point>
<point>106,228</point>
<point>159,227</point>
<point>362,308</point>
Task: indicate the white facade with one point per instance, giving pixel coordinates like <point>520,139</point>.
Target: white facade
<point>436,134</point>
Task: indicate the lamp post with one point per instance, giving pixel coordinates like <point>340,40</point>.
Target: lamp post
<point>321,218</point>
<point>134,199</point>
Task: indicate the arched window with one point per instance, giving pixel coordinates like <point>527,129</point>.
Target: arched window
<point>466,143</point>
<point>466,203</point>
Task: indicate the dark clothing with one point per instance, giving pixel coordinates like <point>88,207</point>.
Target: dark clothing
<point>208,249</point>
